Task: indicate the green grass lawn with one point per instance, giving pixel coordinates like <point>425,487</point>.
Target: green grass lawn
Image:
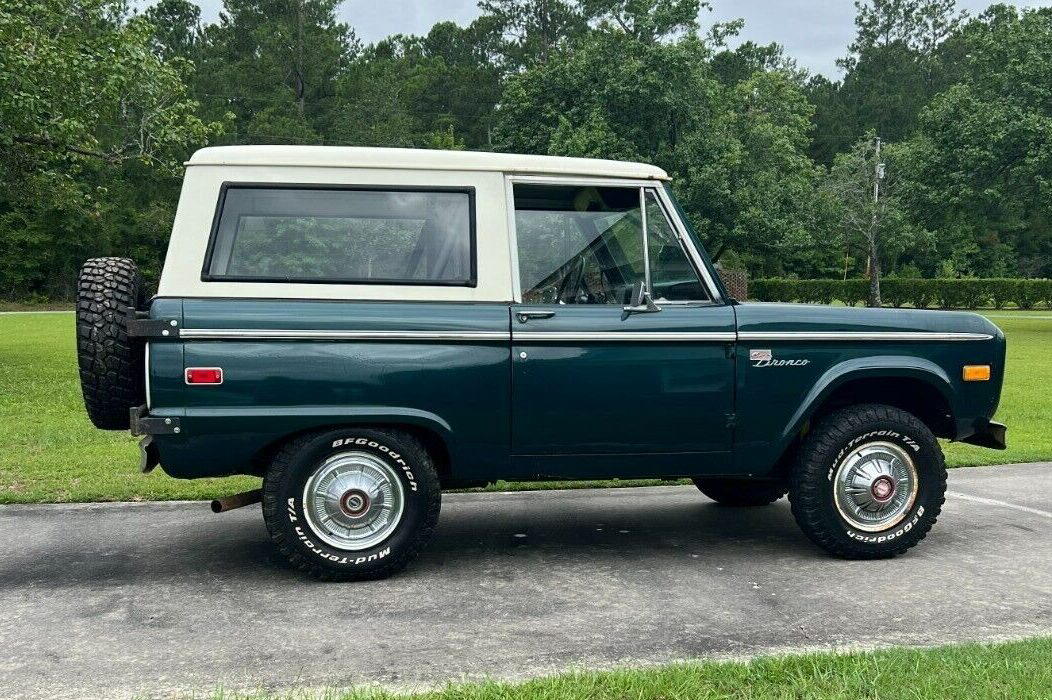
<point>21,306</point>
<point>52,453</point>
<point>1011,671</point>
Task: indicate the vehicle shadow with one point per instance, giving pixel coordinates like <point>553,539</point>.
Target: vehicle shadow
<point>475,530</point>
<point>619,526</point>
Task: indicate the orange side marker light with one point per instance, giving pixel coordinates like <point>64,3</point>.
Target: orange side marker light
<point>976,373</point>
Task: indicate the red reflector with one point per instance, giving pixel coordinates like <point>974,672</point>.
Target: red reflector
<point>204,375</point>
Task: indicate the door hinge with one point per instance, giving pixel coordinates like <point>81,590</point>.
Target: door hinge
<point>732,420</point>
<point>140,325</point>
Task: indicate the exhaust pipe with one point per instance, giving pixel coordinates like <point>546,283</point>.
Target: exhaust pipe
<point>238,500</point>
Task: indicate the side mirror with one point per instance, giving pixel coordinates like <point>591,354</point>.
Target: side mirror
<point>639,290</point>
<point>640,301</point>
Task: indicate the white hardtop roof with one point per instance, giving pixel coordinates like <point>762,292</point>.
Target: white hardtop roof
<point>421,159</point>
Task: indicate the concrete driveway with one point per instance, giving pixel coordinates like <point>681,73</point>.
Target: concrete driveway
<point>159,599</point>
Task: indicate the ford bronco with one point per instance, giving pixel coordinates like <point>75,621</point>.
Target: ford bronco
<point>364,327</point>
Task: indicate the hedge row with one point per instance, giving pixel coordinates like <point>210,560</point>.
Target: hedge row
<point>921,293</point>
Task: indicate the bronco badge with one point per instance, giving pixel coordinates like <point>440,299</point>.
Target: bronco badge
<point>765,358</point>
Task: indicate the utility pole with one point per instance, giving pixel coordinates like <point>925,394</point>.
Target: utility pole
<point>878,173</point>
<point>301,80</point>
<point>874,232</point>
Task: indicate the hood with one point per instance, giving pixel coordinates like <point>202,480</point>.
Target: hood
<point>766,317</point>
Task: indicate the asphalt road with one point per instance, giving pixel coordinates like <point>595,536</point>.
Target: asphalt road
<point>161,599</point>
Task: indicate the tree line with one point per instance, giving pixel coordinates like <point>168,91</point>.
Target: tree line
<point>952,293</point>
<point>930,156</point>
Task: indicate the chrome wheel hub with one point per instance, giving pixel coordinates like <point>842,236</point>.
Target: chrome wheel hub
<point>353,501</point>
<point>875,486</point>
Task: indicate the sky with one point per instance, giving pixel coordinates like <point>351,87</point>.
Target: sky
<point>815,32</point>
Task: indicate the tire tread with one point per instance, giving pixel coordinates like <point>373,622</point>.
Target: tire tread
<point>810,472</point>
<point>110,363</point>
<point>273,509</point>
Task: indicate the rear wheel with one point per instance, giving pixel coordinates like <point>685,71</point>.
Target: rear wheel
<point>351,504</point>
<point>742,492</point>
<point>112,365</point>
<point>869,482</point>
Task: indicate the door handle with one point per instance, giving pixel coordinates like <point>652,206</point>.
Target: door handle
<point>525,316</point>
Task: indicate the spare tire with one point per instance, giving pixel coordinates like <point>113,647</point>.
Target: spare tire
<point>112,365</point>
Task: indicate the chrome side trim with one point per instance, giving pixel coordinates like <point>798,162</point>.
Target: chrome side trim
<point>624,336</point>
<point>570,336</point>
<point>922,336</point>
<point>273,334</point>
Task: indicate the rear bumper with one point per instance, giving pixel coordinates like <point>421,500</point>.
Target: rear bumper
<point>148,457</point>
<point>990,434</point>
<point>142,423</point>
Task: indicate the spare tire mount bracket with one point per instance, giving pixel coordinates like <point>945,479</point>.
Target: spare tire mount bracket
<point>140,325</point>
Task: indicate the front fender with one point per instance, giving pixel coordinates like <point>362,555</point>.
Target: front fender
<point>897,366</point>
<point>758,458</point>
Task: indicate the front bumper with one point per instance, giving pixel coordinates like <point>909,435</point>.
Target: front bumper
<point>991,434</point>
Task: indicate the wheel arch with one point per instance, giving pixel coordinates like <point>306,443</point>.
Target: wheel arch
<point>915,385</point>
<point>433,433</point>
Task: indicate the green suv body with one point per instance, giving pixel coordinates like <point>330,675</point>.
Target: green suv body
<point>364,327</point>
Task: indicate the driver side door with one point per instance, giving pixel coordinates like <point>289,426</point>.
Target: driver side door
<point>599,391</point>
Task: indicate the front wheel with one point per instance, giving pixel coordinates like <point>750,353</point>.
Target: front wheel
<point>869,482</point>
<point>351,504</point>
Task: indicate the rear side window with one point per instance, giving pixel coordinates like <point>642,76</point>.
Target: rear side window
<point>343,235</point>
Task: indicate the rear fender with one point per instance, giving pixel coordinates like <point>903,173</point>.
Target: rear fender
<point>237,440</point>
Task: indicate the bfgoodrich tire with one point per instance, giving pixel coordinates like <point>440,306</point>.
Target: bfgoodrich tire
<point>112,365</point>
<point>869,482</point>
<point>351,504</point>
<point>742,492</point>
